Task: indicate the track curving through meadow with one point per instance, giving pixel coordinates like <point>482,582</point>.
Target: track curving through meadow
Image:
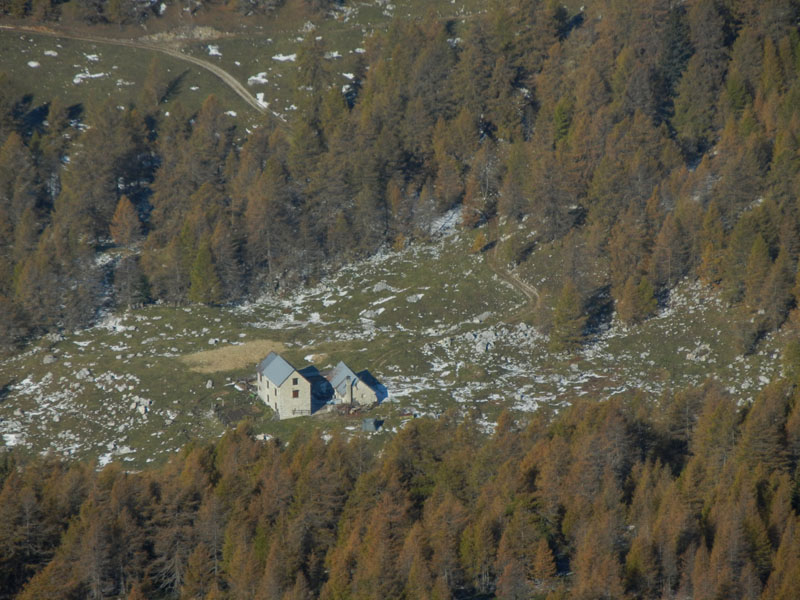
<point>221,73</point>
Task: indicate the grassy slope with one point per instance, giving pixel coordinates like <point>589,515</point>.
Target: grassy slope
<point>123,71</point>
<point>426,321</point>
<point>418,319</point>
<point>244,52</point>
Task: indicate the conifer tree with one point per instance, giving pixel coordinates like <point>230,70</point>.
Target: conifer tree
<point>198,579</point>
<point>205,286</point>
<point>637,301</point>
<point>756,273</point>
<point>710,267</point>
<point>125,227</point>
<point>569,320</point>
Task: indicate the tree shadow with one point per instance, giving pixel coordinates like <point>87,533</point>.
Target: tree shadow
<point>5,390</point>
<point>488,246</point>
<point>173,88</point>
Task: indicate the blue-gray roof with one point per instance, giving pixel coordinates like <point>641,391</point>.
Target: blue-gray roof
<point>275,368</point>
<point>338,377</point>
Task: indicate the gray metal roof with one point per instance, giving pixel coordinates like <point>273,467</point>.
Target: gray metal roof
<point>275,368</point>
<point>338,377</point>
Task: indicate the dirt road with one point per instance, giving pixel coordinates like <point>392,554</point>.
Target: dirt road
<point>531,293</point>
<point>226,77</point>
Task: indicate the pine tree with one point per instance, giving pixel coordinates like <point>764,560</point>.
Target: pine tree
<point>710,267</point>
<point>125,227</point>
<point>479,243</point>
<point>669,258</point>
<point>777,296</point>
<point>197,581</point>
<point>543,567</point>
<point>205,286</point>
<point>569,320</point>
<point>637,301</point>
<point>155,86</point>
<point>698,88</point>
<point>512,584</point>
<point>756,273</point>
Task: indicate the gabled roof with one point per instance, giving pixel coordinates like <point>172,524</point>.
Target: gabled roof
<point>338,377</point>
<point>275,368</point>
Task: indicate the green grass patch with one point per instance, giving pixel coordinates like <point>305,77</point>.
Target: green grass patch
<point>84,72</point>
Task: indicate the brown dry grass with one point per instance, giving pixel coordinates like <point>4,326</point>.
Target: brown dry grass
<point>231,358</point>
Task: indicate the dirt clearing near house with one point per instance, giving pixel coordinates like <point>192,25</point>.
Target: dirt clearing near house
<point>231,358</point>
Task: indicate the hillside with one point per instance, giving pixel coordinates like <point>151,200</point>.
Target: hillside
<point>563,236</point>
<point>434,323</point>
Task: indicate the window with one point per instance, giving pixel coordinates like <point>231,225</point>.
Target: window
<point>295,393</point>
<point>294,381</point>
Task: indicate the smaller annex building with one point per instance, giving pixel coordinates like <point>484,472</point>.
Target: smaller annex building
<point>350,387</point>
<point>283,388</point>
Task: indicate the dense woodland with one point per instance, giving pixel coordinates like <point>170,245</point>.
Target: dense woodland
<point>647,140</point>
<point>689,497</point>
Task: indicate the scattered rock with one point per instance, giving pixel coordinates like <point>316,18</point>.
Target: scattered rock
<point>482,317</point>
<point>209,384</point>
<point>48,359</point>
<point>382,286</point>
<point>213,341</point>
<point>699,354</point>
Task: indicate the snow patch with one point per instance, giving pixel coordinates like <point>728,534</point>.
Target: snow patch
<point>50,53</point>
<point>285,57</point>
<point>213,50</point>
<point>12,439</point>
<point>258,78</point>
<point>80,77</point>
<point>33,64</point>
<point>447,223</point>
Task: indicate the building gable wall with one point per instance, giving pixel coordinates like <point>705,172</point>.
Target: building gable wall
<point>290,399</point>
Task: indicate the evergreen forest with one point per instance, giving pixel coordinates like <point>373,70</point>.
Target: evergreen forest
<point>693,497</point>
<point>651,141</point>
<point>645,143</point>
